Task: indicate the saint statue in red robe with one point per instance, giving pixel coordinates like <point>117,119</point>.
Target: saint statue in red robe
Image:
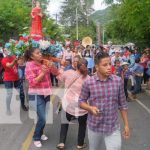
<point>36,29</point>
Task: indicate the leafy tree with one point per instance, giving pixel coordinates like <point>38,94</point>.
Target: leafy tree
<point>68,13</point>
<point>131,22</point>
<point>52,30</point>
<point>83,31</point>
<point>68,18</point>
<point>15,19</point>
<point>113,1</point>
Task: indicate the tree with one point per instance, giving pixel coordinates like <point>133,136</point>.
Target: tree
<point>68,18</point>
<point>131,23</point>
<point>68,13</point>
<point>52,30</point>
<point>15,17</point>
<point>83,31</point>
<point>113,1</point>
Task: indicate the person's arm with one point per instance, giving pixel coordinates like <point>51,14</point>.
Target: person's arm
<point>10,65</point>
<point>132,62</point>
<point>41,75</point>
<point>84,95</point>
<point>126,132</point>
<point>33,13</point>
<point>32,77</point>
<point>91,109</point>
<point>123,107</point>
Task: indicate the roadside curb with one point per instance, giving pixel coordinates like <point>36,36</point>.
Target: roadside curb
<point>147,91</point>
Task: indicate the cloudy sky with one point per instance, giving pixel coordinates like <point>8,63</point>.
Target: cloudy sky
<point>54,6</point>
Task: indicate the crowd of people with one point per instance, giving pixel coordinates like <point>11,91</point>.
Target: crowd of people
<point>98,82</point>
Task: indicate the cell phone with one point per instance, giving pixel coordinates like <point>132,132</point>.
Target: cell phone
<point>99,112</point>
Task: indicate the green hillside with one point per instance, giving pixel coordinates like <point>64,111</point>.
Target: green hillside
<point>102,16</point>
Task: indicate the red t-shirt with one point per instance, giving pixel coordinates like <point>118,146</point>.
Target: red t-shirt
<point>126,53</point>
<point>113,69</point>
<point>10,74</point>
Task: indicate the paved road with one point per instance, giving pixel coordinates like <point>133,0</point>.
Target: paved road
<point>18,136</point>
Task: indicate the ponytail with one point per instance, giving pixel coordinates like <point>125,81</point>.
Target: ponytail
<point>82,67</point>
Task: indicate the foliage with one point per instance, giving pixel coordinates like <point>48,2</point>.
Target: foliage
<point>15,19</point>
<point>102,16</point>
<point>113,1</point>
<point>131,22</point>
<point>68,18</point>
<point>68,13</point>
<point>52,30</point>
<point>83,31</point>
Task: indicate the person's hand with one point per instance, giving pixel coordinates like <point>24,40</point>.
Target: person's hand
<point>126,132</point>
<point>50,64</point>
<point>16,60</point>
<point>45,69</point>
<point>94,111</point>
<point>62,62</point>
<point>33,17</point>
<point>40,14</point>
<point>47,63</point>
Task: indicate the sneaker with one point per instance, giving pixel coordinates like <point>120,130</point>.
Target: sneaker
<point>44,138</point>
<point>38,144</point>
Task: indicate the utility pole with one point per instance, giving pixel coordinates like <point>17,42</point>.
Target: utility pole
<point>98,28</point>
<point>103,36</point>
<point>56,17</point>
<point>77,25</point>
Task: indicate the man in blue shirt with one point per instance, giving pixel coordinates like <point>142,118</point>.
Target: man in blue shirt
<point>131,59</point>
<point>137,71</point>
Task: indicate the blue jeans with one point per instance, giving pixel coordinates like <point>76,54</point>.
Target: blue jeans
<point>9,85</point>
<point>137,87</point>
<point>39,102</point>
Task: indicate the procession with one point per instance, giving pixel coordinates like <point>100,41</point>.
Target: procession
<point>98,89</point>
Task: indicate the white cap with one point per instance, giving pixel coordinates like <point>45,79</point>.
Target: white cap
<point>117,51</point>
<point>124,63</point>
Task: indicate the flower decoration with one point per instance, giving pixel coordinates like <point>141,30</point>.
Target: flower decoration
<point>25,42</point>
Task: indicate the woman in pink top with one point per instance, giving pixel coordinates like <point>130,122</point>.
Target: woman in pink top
<point>40,89</point>
<point>73,81</point>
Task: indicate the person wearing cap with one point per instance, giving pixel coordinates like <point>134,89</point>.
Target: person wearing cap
<point>111,51</point>
<point>123,57</point>
<point>126,75</point>
<point>131,59</point>
<point>115,57</point>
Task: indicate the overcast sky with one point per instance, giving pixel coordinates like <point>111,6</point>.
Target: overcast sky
<point>54,6</point>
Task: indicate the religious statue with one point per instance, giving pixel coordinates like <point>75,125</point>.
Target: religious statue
<point>36,29</point>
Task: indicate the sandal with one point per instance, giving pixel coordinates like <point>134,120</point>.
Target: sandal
<point>81,147</point>
<point>60,146</point>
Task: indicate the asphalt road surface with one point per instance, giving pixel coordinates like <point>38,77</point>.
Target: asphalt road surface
<point>16,130</point>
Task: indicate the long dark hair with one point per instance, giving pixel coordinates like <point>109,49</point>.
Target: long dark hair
<point>82,66</point>
<point>28,53</point>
